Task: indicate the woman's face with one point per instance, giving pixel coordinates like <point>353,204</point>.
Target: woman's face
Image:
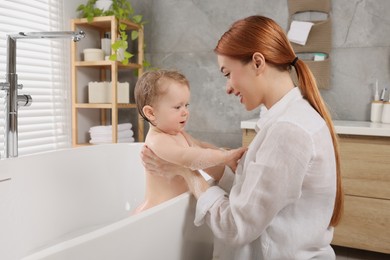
<point>241,81</point>
<point>171,111</point>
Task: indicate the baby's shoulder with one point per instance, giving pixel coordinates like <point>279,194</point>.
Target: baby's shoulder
<point>160,139</point>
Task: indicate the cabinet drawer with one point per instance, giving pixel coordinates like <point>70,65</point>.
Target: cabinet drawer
<point>365,224</point>
<point>365,164</point>
<point>247,136</point>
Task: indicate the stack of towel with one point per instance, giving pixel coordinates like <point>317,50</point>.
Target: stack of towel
<point>103,134</point>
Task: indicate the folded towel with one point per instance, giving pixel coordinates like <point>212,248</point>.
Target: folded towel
<point>120,140</point>
<point>299,32</point>
<point>108,128</point>
<point>109,138</point>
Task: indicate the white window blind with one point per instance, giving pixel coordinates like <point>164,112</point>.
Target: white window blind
<point>42,66</point>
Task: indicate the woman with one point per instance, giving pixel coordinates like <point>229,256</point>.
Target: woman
<point>285,196</point>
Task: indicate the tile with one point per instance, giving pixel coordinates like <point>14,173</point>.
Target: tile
<point>361,23</point>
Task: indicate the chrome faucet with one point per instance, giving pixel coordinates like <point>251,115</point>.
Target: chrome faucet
<point>11,86</point>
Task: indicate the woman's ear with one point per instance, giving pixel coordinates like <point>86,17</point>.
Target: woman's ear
<point>149,113</point>
<point>259,61</point>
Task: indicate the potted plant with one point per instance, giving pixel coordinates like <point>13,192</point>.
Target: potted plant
<point>122,10</point>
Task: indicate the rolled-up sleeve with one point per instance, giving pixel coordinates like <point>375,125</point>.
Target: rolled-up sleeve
<point>206,201</point>
<point>226,182</point>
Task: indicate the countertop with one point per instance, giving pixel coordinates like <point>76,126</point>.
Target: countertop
<point>344,127</point>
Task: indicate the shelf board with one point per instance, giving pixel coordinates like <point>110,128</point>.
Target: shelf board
<point>83,145</point>
<point>104,22</point>
<point>104,105</point>
<point>106,63</point>
<point>122,105</point>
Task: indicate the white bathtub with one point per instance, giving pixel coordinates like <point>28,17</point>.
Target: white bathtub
<point>76,204</point>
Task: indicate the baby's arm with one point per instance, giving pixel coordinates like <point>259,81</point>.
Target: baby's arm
<point>194,158</point>
<point>232,164</point>
<point>197,142</point>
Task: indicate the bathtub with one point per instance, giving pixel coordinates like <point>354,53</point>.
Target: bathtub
<point>77,203</point>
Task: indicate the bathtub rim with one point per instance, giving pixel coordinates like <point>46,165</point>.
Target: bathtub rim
<point>7,176</point>
<point>104,230</point>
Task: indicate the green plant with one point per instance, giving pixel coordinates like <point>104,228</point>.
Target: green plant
<point>122,10</point>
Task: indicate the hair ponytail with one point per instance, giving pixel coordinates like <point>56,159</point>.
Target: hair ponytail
<point>309,90</point>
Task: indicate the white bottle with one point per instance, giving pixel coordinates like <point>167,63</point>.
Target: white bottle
<point>376,107</point>
<point>386,113</point>
<point>376,111</point>
<point>106,45</point>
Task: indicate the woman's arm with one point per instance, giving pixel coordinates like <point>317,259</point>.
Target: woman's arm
<point>216,172</point>
<point>196,183</point>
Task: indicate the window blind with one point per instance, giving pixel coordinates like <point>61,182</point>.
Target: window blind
<point>42,66</point>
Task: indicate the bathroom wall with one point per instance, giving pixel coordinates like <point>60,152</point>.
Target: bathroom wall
<point>181,34</point>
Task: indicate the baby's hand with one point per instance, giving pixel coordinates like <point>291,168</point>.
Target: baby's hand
<point>234,156</point>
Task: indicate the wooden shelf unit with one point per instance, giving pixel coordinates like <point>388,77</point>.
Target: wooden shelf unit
<point>102,25</point>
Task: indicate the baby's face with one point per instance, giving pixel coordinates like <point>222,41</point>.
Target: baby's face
<point>171,111</point>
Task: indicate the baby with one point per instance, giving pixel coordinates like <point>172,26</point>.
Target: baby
<point>162,99</point>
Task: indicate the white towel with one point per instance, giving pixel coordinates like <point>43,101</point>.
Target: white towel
<point>105,141</point>
<point>299,32</point>
<point>103,134</point>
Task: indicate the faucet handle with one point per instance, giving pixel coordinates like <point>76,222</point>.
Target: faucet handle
<point>4,85</point>
<point>24,100</point>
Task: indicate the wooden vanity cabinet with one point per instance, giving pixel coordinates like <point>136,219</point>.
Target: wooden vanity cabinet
<point>247,136</point>
<point>365,165</point>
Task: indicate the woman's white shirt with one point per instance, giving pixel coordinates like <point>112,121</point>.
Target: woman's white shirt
<point>279,203</point>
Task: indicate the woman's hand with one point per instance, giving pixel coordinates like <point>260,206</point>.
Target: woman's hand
<point>154,165</point>
<point>235,156</point>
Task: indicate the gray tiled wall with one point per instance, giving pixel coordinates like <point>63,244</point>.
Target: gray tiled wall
<point>181,34</point>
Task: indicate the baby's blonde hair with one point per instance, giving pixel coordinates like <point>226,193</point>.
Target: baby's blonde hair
<point>150,87</point>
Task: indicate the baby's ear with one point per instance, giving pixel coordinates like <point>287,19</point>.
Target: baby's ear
<point>149,113</point>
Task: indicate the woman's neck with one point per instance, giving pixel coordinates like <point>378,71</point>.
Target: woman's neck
<point>279,83</point>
